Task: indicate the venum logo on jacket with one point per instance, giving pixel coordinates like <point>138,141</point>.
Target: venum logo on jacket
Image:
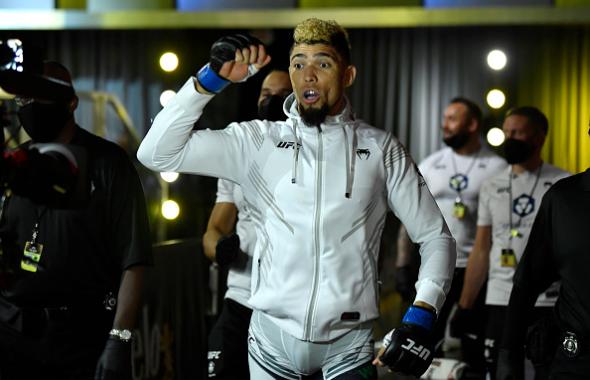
<point>363,154</point>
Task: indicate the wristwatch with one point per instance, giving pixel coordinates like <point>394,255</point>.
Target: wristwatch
<point>123,335</point>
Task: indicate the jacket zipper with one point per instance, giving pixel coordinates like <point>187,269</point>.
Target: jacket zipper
<point>316,271</point>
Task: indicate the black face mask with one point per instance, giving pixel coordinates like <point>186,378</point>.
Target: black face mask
<point>457,141</point>
<point>517,151</point>
<point>44,121</point>
<point>271,108</point>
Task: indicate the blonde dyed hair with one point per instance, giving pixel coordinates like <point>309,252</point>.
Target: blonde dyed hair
<point>315,31</point>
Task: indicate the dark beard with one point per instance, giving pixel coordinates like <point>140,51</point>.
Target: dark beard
<point>313,117</point>
<point>457,141</point>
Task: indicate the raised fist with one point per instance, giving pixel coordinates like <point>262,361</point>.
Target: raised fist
<point>224,49</point>
<point>232,59</point>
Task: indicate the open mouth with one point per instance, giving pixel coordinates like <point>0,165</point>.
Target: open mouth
<point>311,96</point>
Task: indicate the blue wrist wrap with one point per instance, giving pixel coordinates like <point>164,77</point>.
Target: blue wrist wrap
<point>210,80</point>
<point>420,316</point>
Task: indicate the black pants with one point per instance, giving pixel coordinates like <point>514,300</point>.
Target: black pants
<point>228,343</point>
<point>62,344</point>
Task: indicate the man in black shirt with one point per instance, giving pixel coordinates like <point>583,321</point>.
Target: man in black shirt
<point>557,250</point>
<point>74,274</point>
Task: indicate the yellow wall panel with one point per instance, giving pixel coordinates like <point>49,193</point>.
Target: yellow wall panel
<point>71,4</point>
<point>118,5</point>
<point>567,3</point>
<point>559,84</point>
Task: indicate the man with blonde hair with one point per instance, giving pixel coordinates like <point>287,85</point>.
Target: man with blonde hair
<point>318,186</point>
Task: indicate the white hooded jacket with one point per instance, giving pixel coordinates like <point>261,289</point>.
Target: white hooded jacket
<point>318,198</point>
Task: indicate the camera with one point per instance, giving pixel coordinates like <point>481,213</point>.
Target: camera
<point>49,174</point>
<point>21,74</point>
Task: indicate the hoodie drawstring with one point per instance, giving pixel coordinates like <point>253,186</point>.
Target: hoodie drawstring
<point>351,147</point>
<point>350,159</point>
<point>295,155</point>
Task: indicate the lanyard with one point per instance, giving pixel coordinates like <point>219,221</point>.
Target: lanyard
<point>514,228</point>
<point>3,202</point>
<point>32,250</point>
<point>458,178</point>
<point>36,226</point>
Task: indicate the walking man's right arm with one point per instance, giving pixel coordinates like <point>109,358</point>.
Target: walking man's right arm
<point>172,145</point>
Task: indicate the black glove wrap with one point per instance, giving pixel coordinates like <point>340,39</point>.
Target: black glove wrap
<point>462,323</point>
<point>224,49</point>
<point>227,250</point>
<point>410,352</point>
<point>411,347</point>
<point>115,361</point>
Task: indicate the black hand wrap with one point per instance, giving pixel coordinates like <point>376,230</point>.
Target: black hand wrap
<point>463,323</point>
<point>223,50</point>
<point>411,348</point>
<point>227,250</point>
<point>115,361</point>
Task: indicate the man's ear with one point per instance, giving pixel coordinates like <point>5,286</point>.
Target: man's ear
<point>473,126</point>
<point>73,104</point>
<point>349,75</point>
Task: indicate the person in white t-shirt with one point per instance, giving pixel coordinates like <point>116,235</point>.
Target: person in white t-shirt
<point>232,248</point>
<point>508,204</point>
<point>454,175</point>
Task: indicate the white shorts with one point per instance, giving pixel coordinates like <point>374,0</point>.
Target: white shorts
<point>271,350</point>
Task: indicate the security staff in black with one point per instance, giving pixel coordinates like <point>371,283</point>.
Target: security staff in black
<point>73,276</point>
<point>558,249</point>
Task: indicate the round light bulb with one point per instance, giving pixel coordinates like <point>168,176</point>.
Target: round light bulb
<point>497,59</point>
<point>169,176</point>
<point>170,209</point>
<point>169,61</point>
<point>165,97</point>
<point>495,136</point>
<point>496,98</point>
